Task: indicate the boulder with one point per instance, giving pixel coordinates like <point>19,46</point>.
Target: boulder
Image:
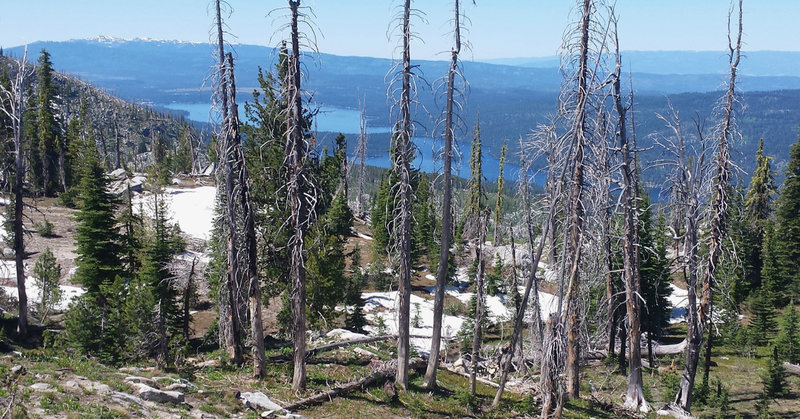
<point>41,387</point>
<point>146,392</point>
<point>259,401</point>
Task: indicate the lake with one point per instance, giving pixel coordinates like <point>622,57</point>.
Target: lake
<point>347,121</point>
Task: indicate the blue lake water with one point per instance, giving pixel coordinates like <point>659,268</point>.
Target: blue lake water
<point>346,121</point>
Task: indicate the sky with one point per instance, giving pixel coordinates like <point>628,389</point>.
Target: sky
<point>496,29</point>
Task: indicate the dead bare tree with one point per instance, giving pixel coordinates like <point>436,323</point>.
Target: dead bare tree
<point>531,281</point>
<point>231,326</point>
<point>719,206</point>
<point>447,207</point>
<point>572,248</point>
<point>477,327</point>
<point>689,184</point>
<point>361,152</point>
<point>401,167</point>
<point>14,109</point>
<point>296,151</point>
<point>634,396</point>
<point>234,140</point>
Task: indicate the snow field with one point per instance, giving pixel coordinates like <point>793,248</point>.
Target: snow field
<point>191,208</point>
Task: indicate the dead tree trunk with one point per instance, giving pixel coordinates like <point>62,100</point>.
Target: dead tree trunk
<point>296,150</point>
<point>403,215</point>
<point>576,211</point>
<point>530,282</point>
<point>251,250</point>
<point>16,112</point>
<point>634,397</point>
<point>447,206</point>
<point>187,300</point>
<point>232,323</point>
<point>719,206</point>
<point>477,327</point>
<point>362,154</point>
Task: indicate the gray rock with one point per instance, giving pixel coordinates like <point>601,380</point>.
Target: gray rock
<point>17,370</point>
<point>259,401</point>
<point>126,398</point>
<point>146,392</point>
<point>142,380</point>
<point>176,387</point>
<point>41,387</point>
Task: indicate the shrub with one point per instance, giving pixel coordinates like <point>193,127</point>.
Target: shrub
<point>45,228</point>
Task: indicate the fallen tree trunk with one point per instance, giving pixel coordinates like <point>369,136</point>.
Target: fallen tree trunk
<point>385,372</point>
<point>478,379</point>
<point>791,368</point>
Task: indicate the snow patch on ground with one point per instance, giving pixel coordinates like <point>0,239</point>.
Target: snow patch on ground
<point>385,305</point>
<point>191,208</point>
<point>679,300</point>
<point>2,224</point>
<point>68,293</point>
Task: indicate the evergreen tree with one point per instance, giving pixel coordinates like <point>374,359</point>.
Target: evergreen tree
<point>424,223</point>
<point>46,275</point>
<point>654,272</point>
<point>95,323</point>
<point>763,312</point>
<point>182,159</point>
<point>787,232</point>
<point>750,232</point>
<point>494,279</point>
<point>163,243</point>
<point>96,234</point>
<point>773,283</point>
<point>355,320</point>
<point>498,204</point>
<point>788,342</point>
<point>774,378</point>
<point>47,133</point>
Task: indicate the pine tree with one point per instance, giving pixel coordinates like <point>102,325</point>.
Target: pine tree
<point>96,234</point>
<point>749,228</point>
<point>355,321</point>
<point>774,378</point>
<point>47,133</point>
<point>787,247</point>
<point>95,322</point>
<point>762,324</point>
<point>498,204</point>
<point>788,342</point>
<point>494,279</point>
<point>654,271</point>
<point>46,275</point>
<point>163,243</point>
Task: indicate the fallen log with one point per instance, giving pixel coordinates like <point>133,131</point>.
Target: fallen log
<point>478,379</point>
<point>385,372</point>
<point>791,368</point>
<point>335,345</point>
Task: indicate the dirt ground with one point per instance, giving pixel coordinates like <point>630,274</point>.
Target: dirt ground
<point>61,242</point>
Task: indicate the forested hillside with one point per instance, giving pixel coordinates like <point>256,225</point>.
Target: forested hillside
<point>582,249</point>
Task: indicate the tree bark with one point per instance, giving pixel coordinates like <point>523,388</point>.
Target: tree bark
<point>444,249</point>
<point>296,153</point>
<point>477,329</point>
<point>251,249</point>
<point>232,325</point>
<point>19,243</point>
<point>402,169</point>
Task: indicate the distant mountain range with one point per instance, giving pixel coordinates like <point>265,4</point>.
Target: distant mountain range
<point>755,63</point>
<point>512,95</point>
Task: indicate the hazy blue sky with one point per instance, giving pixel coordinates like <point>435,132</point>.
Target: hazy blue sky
<point>508,28</point>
